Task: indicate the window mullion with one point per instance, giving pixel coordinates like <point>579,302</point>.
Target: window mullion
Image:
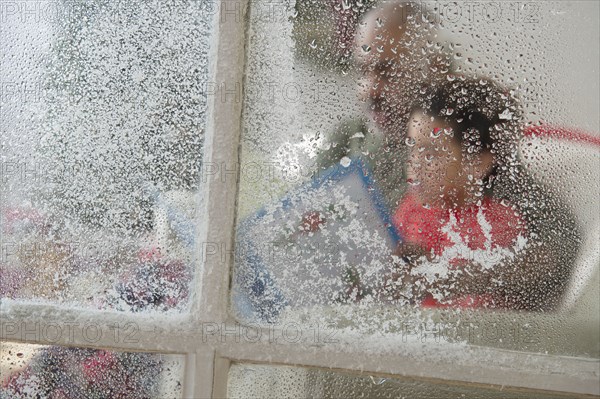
<point>216,233</point>
<point>198,378</point>
<point>220,379</point>
<point>56,325</point>
<point>478,365</point>
<point>221,161</point>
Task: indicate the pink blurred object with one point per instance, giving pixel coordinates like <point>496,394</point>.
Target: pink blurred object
<point>96,366</point>
<point>11,281</point>
<point>15,218</point>
<point>346,14</point>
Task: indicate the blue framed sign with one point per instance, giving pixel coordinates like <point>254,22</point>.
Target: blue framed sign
<point>326,241</point>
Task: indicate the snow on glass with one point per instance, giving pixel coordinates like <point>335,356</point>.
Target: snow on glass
<point>103,114</point>
<point>416,160</point>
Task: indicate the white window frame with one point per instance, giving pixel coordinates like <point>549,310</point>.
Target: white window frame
<point>207,363</point>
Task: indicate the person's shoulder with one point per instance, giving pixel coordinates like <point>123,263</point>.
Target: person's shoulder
<point>540,206</point>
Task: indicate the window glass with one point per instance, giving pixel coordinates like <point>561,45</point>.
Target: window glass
<point>250,381</point>
<point>103,114</point>
<point>34,371</point>
<point>430,157</point>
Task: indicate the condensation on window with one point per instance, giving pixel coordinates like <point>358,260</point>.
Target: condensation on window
<point>103,114</point>
<point>37,371</point>
<point>424,156</point>
<point>253,381</point>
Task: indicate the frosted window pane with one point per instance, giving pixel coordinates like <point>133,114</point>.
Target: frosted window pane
<point>32,371</point>
<point>426,156</point>
<point>102,118</point>
<point>252,381</point>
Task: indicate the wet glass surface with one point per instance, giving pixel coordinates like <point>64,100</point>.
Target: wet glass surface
<point>62,372</point>
<point>421,157</point>
<point>248,380</point>
<point>103,113</point>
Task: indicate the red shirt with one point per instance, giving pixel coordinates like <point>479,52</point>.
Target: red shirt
<point>490,226</point>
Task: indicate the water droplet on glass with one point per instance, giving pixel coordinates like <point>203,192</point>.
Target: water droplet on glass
<point>366,48</point>
<point>409,141</point>
<point>505,115</point>
<point>436,132</point>
<point>378,381</point>
<point>345,162</point>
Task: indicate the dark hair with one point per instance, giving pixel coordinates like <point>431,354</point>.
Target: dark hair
<point>483,115</point>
